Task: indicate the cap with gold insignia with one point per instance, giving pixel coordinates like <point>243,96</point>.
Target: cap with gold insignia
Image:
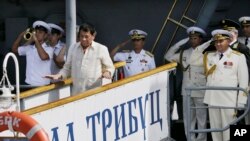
<point>220,34</point>
<point>193,30</point>
<point>244,20</point>
<point>137,34</point>
<point>55,28</point>
<point>229,25</point>
<point>41,25</point>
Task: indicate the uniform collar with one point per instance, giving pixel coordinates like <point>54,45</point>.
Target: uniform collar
<point>192,49</point>
<point>44,44</point>
<point>227,52</point>
<point>58,45</point>
<point>141,53</point>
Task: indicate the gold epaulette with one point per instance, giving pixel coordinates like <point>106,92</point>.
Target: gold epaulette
<point>211,70</point>
<point>205,62</point>
<point>149,54</point>
<point>236,52</point>
<point>206,70</point>
<point>126,51</point>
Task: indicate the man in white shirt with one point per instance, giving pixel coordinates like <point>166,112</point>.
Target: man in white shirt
<point>87,62</point>
<point>38,54</point>
<point>226,68</point>
<point>59,47</point>
<point>137,60</point>
<point>191,62</point>
<point>245,25</point>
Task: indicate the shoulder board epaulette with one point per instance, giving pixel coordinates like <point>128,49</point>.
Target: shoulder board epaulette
<point>236,52</point>
<point>205,62</point>
<point>149,54</point>
<point>206,70</point>
<point>126,51</point>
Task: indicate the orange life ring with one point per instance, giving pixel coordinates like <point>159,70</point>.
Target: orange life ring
<point>16,121</point>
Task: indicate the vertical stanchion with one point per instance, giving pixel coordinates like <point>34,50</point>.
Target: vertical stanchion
<point>188,119</point>
<point>168,105</point>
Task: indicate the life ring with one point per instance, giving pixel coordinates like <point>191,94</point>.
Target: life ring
<point>16,121</point>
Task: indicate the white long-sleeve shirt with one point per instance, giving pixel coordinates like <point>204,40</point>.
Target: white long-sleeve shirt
<point>86,68</point>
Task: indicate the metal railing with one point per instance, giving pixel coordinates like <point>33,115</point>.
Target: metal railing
<point>117,65</point>
<point>189,89</point>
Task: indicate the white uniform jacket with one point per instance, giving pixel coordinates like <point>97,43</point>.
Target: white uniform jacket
<point>229,71</point>
<point>191,61</point>
<point>135,62</point>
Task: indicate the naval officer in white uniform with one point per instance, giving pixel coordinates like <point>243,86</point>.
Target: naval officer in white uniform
<point>227,68</point>
<point>137,60</point>
<point>191,61</point>
<point>38,54</point>
<point>59,56</point>
<point>245,25</point>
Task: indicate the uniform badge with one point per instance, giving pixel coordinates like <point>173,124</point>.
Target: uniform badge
<point>129,60</point>
<point>135,32</point>
<point>143,61</point>
<point>228,64</point>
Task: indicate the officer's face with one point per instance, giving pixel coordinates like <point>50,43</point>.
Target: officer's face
<point>53,38</point>
<point>195,40</point>
<point>41,35</point>
<point>86,38</point>
<point>222,45</point>
<point>138,43</point>
<point>246,30</point>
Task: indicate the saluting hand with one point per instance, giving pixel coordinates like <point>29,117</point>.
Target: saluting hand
<point>121,45</point>
<point>124,43</point>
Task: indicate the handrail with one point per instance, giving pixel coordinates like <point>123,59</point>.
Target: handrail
<point>189,89</point>
<point>41,89</point>
<point>119,64</point>
<point>91,92</point>
<point>66,82</point>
